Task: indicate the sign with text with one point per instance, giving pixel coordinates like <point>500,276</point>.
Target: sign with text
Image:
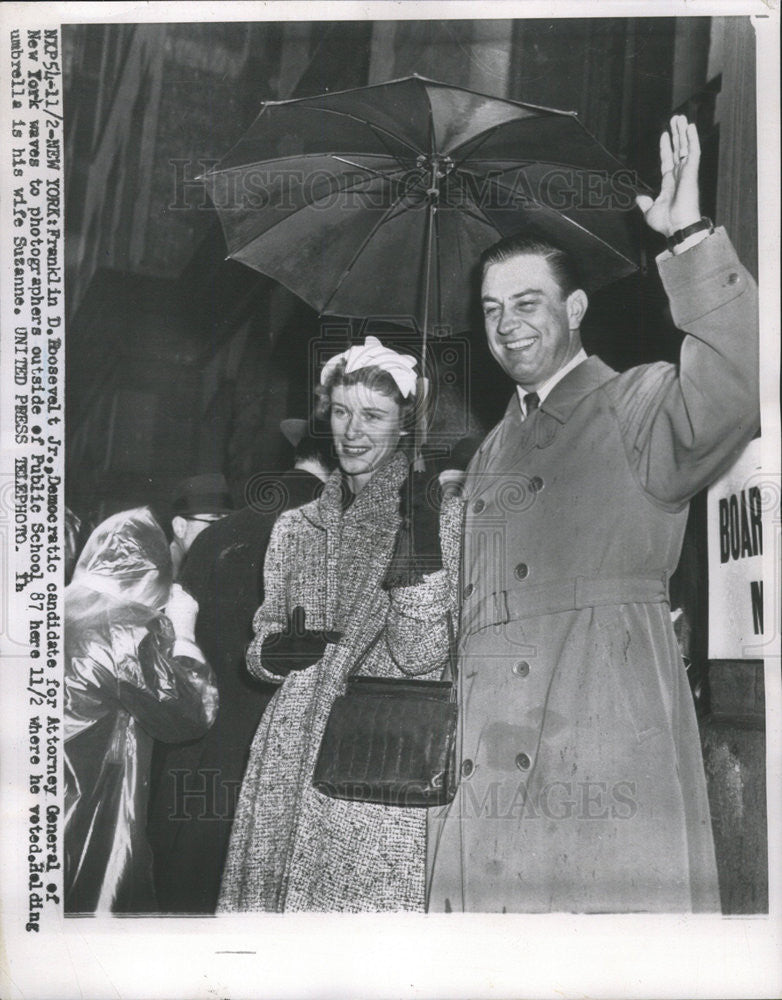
<point>737,523</point>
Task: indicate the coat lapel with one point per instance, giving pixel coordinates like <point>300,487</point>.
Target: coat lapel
<point>516,437</point>
<point>325,514</point>
<point>366,532</point>
<point>574,387</point>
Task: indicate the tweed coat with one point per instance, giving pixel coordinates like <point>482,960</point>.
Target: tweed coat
<point>582,777</point>
<point>293,848</point>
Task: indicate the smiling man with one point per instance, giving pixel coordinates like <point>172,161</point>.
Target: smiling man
<point>533,307</point>
<point>582,785</point>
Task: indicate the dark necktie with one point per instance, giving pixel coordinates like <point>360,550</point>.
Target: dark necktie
<point>531,403</point>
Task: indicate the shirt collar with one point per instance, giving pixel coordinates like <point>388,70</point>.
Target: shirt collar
<point>547,386</point>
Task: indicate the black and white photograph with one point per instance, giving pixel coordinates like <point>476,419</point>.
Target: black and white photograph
<point>390,500</point>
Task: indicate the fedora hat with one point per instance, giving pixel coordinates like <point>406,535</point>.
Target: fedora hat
<point>206,493</point>
<point>294,429</point>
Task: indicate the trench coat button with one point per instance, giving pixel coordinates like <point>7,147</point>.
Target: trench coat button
<point>732,278</point>
<point>522,762</point>
<point>467,591</point>
<point>521,669</point>
<point>522,571</point>
<point>536,484</point>
<point>479,506</point>
<point>467,768</point>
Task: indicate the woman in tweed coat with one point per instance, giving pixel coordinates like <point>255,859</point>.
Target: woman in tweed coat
<point>293,848</point>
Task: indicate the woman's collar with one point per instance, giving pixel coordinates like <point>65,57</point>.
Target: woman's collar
<point>384,484</point>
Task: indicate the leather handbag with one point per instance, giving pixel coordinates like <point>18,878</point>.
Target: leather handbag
<point>392,740</point>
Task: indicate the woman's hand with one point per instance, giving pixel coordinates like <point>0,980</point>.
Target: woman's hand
<point>678,204</point>
<point>417,549</point>
<point>297,647</point>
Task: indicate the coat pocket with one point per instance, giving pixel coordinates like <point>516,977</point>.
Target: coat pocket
<point>630,664</point>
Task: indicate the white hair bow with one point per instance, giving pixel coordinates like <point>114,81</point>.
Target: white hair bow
<point>399,366</point>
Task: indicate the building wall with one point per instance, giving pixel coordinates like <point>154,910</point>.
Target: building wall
<point>146,107</point>
<point>111,100</point>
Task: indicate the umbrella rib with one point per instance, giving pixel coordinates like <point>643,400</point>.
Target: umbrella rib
<point>572,222</point>
<point>563,114</point>
<point>297,157</point>
<point>379,131</point>
<point>489,132</point>
<point>361,166</point>
<point>477,212</point>
<point>487,179</point>
<point>479,216</point>
<point>509,189</point>
<point>521,164</point>
<point>386,217</point>
<point>309,204</point>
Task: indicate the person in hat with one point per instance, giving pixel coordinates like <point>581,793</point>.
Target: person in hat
<point>366,556</point>
<point>198,501</point>
<point>196,785</point>
<point>132,674</point>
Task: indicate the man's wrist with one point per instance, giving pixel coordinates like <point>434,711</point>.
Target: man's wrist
<point>690,242</point>
<point>683,235</point>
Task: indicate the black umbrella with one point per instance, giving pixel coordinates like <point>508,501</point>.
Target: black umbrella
<point>378,201</point>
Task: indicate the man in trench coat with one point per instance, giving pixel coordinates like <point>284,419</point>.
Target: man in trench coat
<point>582,786</point>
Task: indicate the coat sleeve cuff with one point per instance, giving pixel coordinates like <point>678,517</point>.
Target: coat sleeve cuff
<point>253,657</point>
<point>420,601</point>
<point>185,647</point>
<point>702,279</point>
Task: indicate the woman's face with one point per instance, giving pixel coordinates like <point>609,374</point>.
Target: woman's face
<point>367,426</point>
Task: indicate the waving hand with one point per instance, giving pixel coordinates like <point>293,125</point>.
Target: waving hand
<point>677,205</point>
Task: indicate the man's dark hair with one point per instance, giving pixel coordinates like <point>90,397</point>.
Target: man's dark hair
<point>561,262</point>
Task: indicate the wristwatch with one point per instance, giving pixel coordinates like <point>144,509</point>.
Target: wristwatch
<point>704,223</point>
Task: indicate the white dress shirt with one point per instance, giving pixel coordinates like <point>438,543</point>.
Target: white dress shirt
<point>547,386</point>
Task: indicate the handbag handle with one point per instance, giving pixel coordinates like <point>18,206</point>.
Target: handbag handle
<point>450,665</point>
<point>366,651</point>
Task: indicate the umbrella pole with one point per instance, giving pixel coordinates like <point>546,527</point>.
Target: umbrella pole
<point>421,429</point>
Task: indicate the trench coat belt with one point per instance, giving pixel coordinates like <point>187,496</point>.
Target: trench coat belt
<point>573,594</point>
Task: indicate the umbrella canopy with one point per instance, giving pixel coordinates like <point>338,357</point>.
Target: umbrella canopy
<point>378,201</point>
